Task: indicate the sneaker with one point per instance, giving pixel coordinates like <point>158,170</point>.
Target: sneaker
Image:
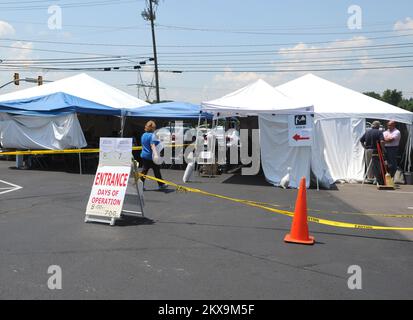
<point>163,187</point>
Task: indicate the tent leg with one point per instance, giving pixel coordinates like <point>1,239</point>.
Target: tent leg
<point>122,125</point>
<point>80,163</point>
<point>196,142</point>
<point>19,161</point>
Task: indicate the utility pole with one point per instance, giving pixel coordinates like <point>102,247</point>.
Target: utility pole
<point>149,14</point>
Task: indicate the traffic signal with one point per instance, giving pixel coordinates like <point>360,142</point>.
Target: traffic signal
<point>16,79</point>
<point>39,80</point>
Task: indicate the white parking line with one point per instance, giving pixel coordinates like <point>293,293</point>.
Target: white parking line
<point>130,211</point>
<point>14,187</point>
<point>400,192</point>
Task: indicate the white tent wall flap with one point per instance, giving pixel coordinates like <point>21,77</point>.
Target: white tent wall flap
<point>408,152</point>
<point>277,155</point>
<point>41,132</point>
<point>319,165</point>
<point>337,142</point>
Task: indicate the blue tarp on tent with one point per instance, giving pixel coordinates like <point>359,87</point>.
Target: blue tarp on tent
<point>59,103</point>
<point>179,110</point>
<point>56,103</point>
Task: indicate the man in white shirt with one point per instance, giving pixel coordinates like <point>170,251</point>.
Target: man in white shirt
<point>392,139</point>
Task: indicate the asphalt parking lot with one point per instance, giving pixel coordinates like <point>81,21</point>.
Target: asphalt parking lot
<point>194,247</point>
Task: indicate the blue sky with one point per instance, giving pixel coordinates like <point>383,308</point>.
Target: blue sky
<point>246,39</point>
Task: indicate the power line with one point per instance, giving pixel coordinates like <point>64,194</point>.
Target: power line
<point>346,66</point>
<point>299,70</point>
<point>80,59</point>
<point>284,50</point>
<point>181,28</point>
<point>62,51</point>
<point>288,62</point>
<point>291,27</point>
<point>78,25</point>
<point>68,5</point>
<point>239,53</point>
<point>131,59</point>
<point>271,66</point>
<point>200,46</point>
<point>259,59</point>
<point>26,2</point>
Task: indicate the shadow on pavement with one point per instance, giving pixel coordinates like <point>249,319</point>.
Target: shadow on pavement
<point>128,221</point>
<point>257,180</point>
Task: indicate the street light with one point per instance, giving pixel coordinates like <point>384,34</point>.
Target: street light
<point>16,79</point>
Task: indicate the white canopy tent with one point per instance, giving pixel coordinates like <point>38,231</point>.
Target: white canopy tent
<point>339,123</point>
<point>332,101</point>
<point>254,99</point>
<point>48,105</point>
<point>82,86</point>
<point>340,115</point>
<point>273,108</point>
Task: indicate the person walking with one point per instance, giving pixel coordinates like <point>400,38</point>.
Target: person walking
<point>392,139</point>
<point>149,152</point>
<point>369,142</point>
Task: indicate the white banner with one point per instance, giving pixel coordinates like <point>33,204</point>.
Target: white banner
<point>108,191</point>
<point>115,152</point>
<point>112,176</point>
<point>300,130</point>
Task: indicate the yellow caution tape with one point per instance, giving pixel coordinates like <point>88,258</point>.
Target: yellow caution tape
<point>384,215</point>
<point>67,151</point>
<point>39,152</point>
<point>338,224</point>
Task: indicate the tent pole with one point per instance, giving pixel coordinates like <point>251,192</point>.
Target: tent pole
<point>196,141</point>
<point>122,124</point>
<point>406,152</point>
<point>409,151</point>
<point>80,163</point>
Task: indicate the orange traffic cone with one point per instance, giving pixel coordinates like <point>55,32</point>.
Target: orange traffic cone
<point>299,229</point>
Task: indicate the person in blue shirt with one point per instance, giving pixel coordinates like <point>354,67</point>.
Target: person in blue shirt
<point>369,141</point>
<point>149,143</point>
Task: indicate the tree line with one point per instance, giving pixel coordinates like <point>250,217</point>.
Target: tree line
<point>393,97</point>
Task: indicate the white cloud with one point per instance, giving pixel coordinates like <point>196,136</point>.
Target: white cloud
<point>404,25</point>
<point>6,29</point>
<point>304,56</point>
<point>230,80</point>
<point>295,57</point>
<point>21,50</point>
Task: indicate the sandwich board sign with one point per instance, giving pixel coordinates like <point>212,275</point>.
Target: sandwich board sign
<point>111,181</point>
<point>300,130</point>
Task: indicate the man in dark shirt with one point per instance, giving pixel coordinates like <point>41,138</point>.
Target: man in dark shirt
<point>369,142</point>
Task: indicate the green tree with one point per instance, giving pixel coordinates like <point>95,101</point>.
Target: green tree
<point>393,97</point>
<point>373,94</point>
<point>406,104</point>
